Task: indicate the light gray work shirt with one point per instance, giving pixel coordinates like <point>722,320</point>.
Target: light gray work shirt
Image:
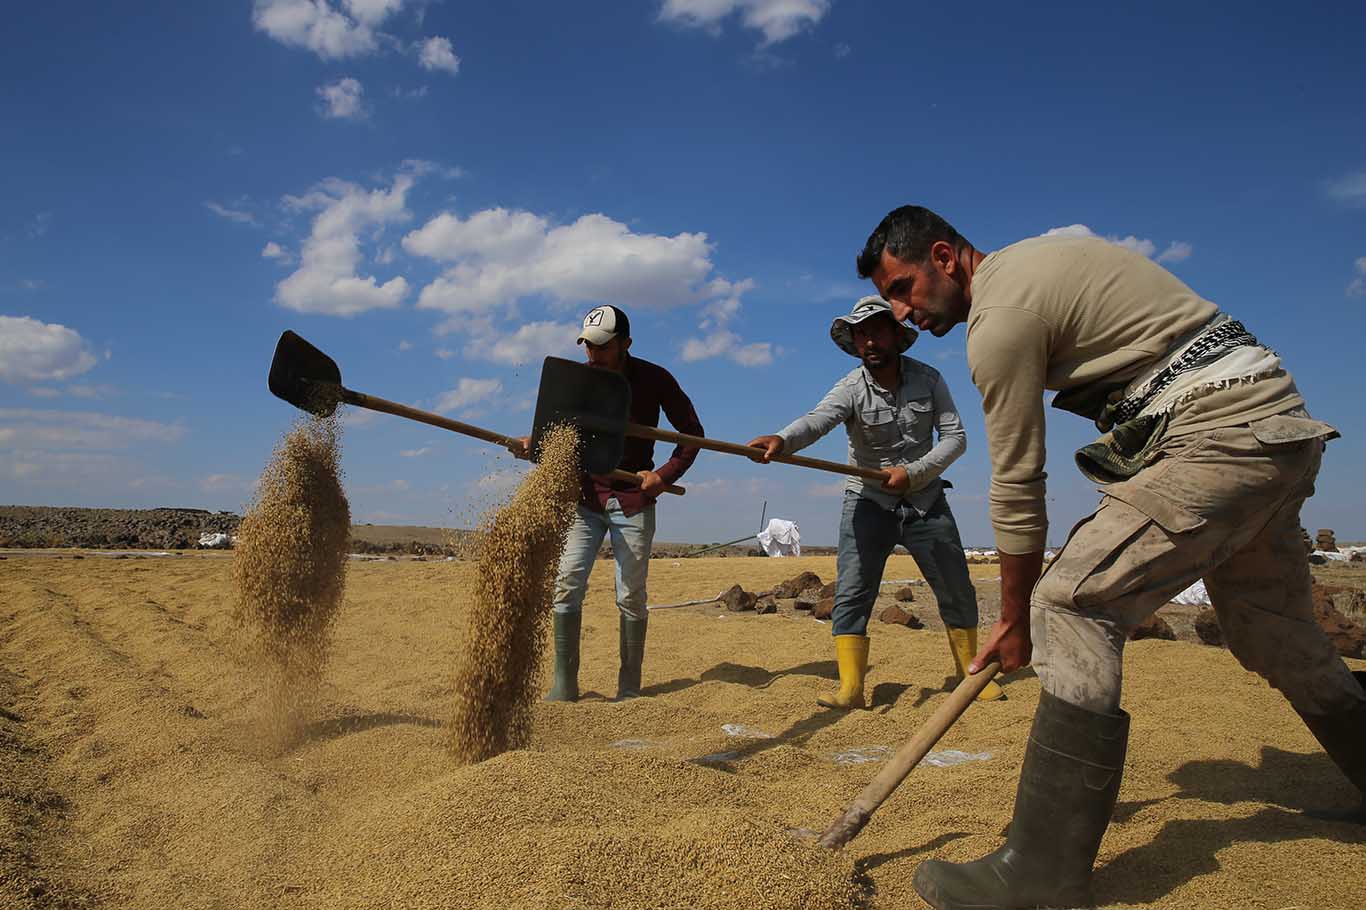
<point>889,428</point>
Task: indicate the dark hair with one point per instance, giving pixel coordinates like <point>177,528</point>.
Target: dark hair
<point>907,233</point>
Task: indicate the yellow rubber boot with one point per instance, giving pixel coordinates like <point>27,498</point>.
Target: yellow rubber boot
<point>963,645</point>
<point>851,652</point>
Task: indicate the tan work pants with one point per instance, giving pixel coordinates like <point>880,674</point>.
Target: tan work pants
<point>1222,505</point>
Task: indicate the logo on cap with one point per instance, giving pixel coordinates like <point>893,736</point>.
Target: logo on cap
<point>594,318</point>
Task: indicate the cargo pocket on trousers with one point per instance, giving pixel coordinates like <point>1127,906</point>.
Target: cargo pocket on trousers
<point>1117,560</point>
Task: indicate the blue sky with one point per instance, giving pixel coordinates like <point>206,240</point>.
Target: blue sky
<point>434,193</point>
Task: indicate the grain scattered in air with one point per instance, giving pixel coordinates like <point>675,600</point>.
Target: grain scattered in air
<point>290,567</point>
<point>518,552</point>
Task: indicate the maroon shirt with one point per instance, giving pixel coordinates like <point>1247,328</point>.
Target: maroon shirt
<point>652,388</point>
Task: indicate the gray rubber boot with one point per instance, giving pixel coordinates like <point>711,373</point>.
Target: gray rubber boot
<point>1067,791</point>
<point>566,687</point>
<point>1343,737</point>
<point>632,655</point>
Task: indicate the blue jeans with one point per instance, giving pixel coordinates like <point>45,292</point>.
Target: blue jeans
<point>632,539</point>
<point>868,534</point>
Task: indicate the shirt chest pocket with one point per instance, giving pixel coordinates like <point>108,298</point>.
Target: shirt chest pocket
<point>879,427</point>
<point>917,418</point>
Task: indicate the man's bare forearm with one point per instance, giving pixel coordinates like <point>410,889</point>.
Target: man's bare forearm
<point>1019,573</point>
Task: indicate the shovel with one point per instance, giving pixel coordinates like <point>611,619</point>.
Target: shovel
<point>598,402</point>
<point>309,379</point>
<point>851,821</point>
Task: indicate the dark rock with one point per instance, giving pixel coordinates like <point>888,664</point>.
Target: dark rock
<point>828,590</point>
<point>807,581</point>
<point>1348,637</point>
<point>806,602</point>
<point>1207,628</point>
<point>737,599</point>
<point>824,607</point>
<point>905,594</point>
<point>1153,627</point>
<point>765,605</point>
<point>899,616</point>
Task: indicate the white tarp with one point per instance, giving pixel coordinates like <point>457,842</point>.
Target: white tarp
<point>1195,595</point>
<point>212,541</point>
<point>781,538</point>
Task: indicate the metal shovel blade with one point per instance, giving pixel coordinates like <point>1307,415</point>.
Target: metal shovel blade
<point>594,400</point>
<point>305,376</point>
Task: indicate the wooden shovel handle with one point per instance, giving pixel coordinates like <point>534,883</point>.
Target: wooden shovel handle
<point>847,826</point>
<point>734,448</point>
<point>370,402</point>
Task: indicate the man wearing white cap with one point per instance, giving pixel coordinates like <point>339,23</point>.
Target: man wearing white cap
<point>892,406</point>
<point>623,510</point>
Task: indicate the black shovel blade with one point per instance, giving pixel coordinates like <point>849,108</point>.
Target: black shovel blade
<point>594,400</point>
<point>305,376</point>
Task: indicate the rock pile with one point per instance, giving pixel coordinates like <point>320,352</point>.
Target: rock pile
<point>1326,541</point>
<point>1348,637</point>
<point>1155,627</point>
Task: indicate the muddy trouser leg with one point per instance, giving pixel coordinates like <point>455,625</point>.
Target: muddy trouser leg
<point>1212,506</point>
<point>868,533</point>
<point>933,542</point>
<point>1200,503</point>
<point>632,540</point>
<point>1263,597</point>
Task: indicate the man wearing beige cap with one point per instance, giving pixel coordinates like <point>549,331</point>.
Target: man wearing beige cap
<point>622,510</point>
<point>891,406</point>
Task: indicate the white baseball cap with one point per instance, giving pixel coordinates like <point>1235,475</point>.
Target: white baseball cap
<point>604,323</point>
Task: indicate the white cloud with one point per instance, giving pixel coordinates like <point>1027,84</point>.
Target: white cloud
<point>1176,251</point>
<point>530,342</point>
<point>81,429</point>
<point>416,453</point>
<point>405,345</point>
<point>725,343</point>
<point>94,392</point>
<point>1358,286</point>
<point>467,392</point>
<point>444,353</point>
<point>274,251</point>
<point>1350,189</point>
<point>342,100</point>
<point>326,280</point>
<point>241,216</point>
<point>833,488</point>
<point>39,225</point>
<point>437,54</point>
<point>33,351</point>
<point>500,256</point>
<point>41,391</point>
<point>225,483</point>
<point>32,284</point>
<point>317,26</point>
<point>778,20</point>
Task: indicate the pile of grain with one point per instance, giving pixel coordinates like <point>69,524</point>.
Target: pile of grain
<point>289,567</point>
<point>518,552</point>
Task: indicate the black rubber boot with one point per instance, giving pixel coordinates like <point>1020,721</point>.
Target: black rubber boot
<point>1067,791</point>
<point>566,687</point>
<point>1343,737</point>
<point>632,656</point>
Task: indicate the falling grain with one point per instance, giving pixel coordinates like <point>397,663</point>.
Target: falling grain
<point>518,552</point>
<point>290,566</point>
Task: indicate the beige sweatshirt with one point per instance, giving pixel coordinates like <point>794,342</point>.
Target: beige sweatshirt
<point>1064,312</point>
